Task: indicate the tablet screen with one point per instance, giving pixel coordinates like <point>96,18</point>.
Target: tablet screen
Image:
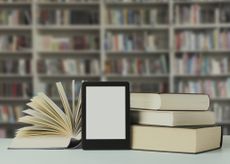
<point>105,112</point>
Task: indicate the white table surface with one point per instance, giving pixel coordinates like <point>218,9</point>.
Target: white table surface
<point>221,156</point>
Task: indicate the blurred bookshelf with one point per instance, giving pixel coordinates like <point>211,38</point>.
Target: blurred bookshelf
<point>156,45</point>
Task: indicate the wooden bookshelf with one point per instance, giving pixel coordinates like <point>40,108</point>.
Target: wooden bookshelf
<point>169,28</point>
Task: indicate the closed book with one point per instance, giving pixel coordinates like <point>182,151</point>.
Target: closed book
<point>184,140</point>
<point>172,118</point>
<point>169,101</point>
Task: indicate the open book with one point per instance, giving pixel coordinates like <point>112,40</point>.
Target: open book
<point>53,126</point>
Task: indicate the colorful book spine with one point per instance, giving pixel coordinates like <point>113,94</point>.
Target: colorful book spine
<point>76,42</point>
<point>15,17</point>
<point>10,113</point>
<point>15,66</point>
<point>15,89</point>
<point>214,88</point>
<point>149,87</point>
<point>68,16</point>
<point>68,67</point>
<point>15,42</point>
<point>137,16</point>
<point>194,14</point>
<point>136,41</point>
<point>138,66</point>
<point>195,40</point>
<point>200,64</point>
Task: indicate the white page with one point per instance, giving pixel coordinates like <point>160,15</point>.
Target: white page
<point>105,112</point>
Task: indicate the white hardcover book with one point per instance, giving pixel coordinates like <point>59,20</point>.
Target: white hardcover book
<point>169,101</point>
<point>172,118</point>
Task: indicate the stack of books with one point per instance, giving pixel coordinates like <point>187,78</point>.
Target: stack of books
<point>173,123</point>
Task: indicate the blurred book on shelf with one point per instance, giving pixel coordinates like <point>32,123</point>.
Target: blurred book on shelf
<point>66,1</point>
<point>137,16</point>
<point>15,17</point>
<point>201,64</point>
<point>196,40</point>
<point>15,42</point>
<point>69,67</point>
<point>135,1</point>
<point>215,88</point>
<point>68,16</point>
<point>225,13</point>
<point>15,66</point>
<point>73,42</point>
<point>224,39</point>
<point>15,89</point>
<point>194,14</point>
<point>10,114</point>
<point>18,1</point>
<point>136,41</point>
<point>138,66</point>
<point>149,86</point>
<point>222,112</point>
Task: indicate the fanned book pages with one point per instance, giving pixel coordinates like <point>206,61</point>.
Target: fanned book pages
<point>52,126</point>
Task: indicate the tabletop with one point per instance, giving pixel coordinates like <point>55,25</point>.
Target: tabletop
<point>110,156</point>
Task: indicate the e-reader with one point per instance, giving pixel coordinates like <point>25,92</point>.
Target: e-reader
<point>105,115</point>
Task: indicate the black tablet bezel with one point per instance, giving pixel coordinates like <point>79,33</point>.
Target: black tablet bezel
<point>107,144</point>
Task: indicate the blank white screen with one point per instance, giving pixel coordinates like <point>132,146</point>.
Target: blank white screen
<point>105,112</point>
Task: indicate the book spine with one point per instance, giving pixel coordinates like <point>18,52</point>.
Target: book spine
<point>10,113</point>
<point>135,41</point>
<point>14,89</point>
<point>194,14</point>
<point>214,88</point>
<point>139,66</point>
<point>190,40</point>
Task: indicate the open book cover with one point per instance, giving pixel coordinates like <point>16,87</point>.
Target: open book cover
<point>51,126</point>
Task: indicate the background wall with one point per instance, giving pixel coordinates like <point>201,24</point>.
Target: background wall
<point>156,45</point>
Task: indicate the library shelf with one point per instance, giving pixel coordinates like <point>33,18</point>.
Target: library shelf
<point>59,76</point>
<point>195,26</point>
<point>136,27</point>
<point>68,4</point>
<point>223,123</point>
<point>141,76</point>
<point>15,28</point>
<point>214,51</point>
<point>15,54</point>
<point>15,4</point>
<point>15,76</point>
<point>14,99</point>
<point>130,53</point>
<point>200,1</point>
<point>202,76</point>
<point>70,52</point>
<point>136,3</point>
<point>224,99</point>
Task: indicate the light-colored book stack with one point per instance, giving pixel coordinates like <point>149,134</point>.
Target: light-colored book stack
<point>173,123</point>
